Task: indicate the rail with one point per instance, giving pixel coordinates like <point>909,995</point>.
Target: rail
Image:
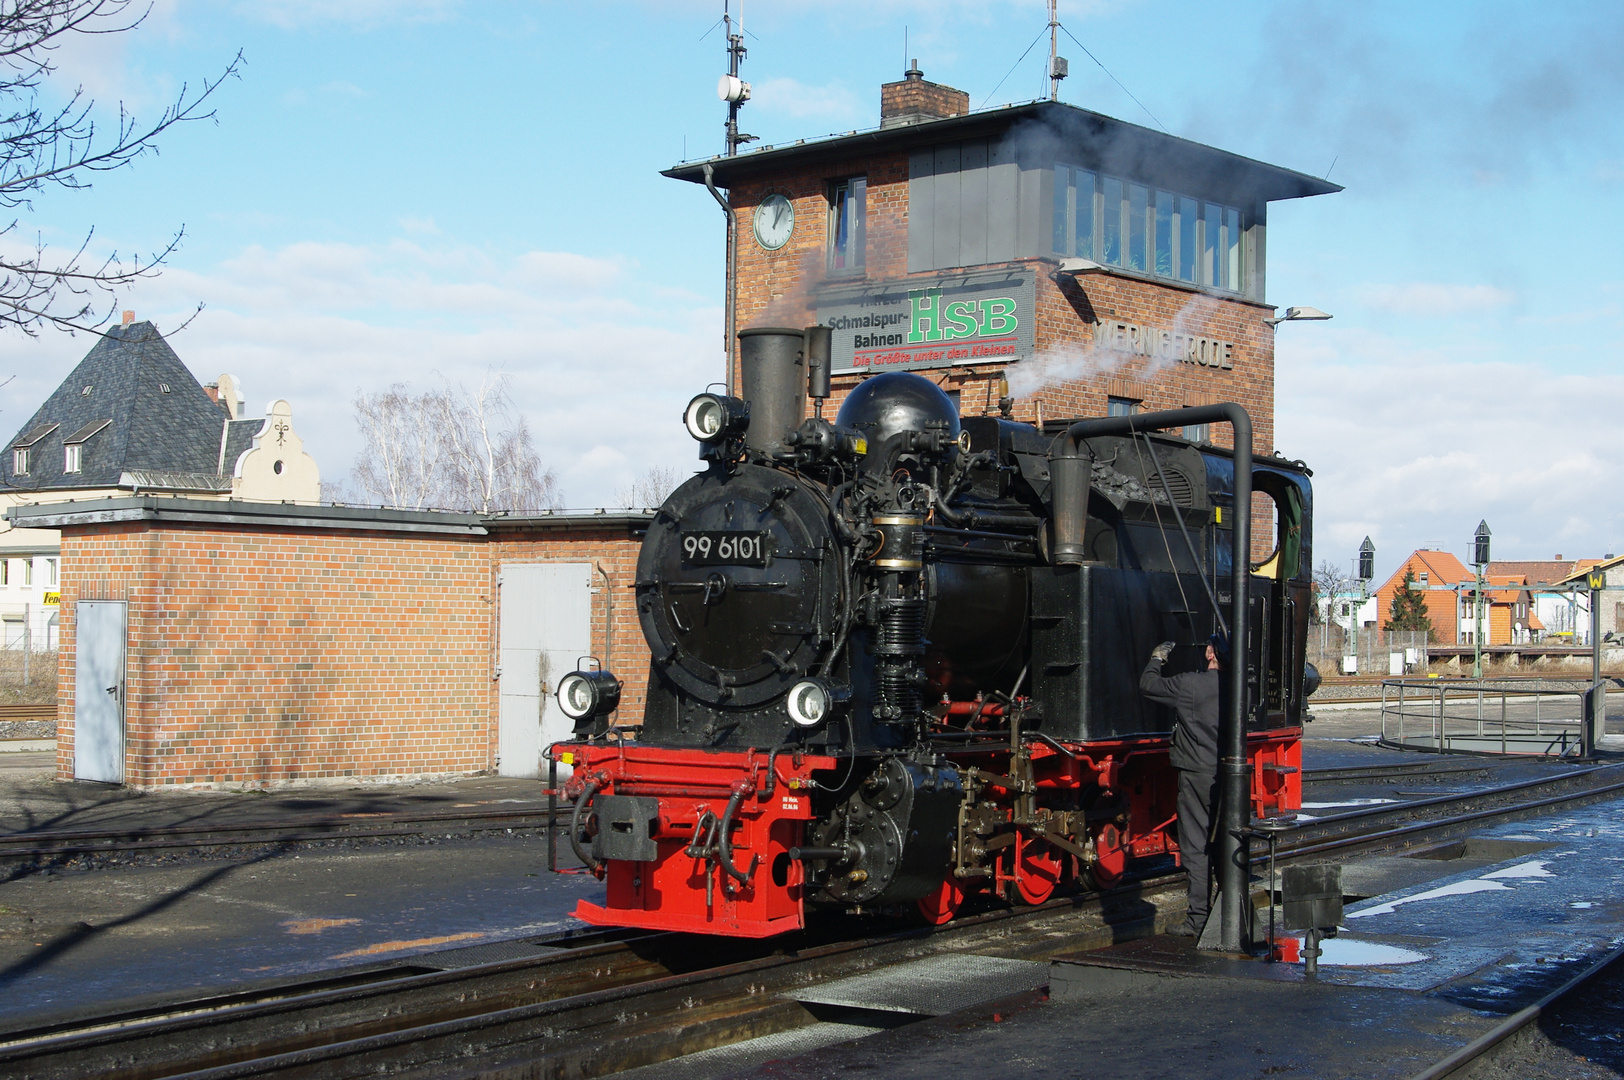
<point>598,1004</point>
<point>1548,718</point>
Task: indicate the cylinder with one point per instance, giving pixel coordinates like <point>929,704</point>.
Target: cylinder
<point>819,358</point>
<point>774,383</point>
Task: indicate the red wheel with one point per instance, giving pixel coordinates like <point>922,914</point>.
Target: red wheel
<point>942,903</point>
<point>1110,857</point>
<point>1037,870</point>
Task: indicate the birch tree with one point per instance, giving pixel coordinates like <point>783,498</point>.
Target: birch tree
<point>650,489</point>
<point>450,449</point>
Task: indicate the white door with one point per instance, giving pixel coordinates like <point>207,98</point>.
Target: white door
<point>98,691</point>
<point>546,626</point>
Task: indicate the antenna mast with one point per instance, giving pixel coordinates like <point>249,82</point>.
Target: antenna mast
<point>731,88</point>
<point>1057,63</point>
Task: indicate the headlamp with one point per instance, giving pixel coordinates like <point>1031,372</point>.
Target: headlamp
<point>586,695</point>
<point>811,701</point>
<point>712,417</point>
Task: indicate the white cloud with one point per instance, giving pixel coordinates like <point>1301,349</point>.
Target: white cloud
<point>797,99</point>
<point>1423,298</point>
<point>601,362</point>
<point>1413,447</point>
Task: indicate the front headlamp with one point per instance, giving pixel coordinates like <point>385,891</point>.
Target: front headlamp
<point>586,695</point>
<point>811,701</point>
<point>712,417</point>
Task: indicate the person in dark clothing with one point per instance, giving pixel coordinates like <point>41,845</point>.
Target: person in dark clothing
<point>1195,697</point>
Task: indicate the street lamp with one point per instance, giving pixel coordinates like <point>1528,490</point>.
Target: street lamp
<point>1480,559</point>
<point>1293,314</point>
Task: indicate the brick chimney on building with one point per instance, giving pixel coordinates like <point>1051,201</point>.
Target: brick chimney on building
<point>913,100</point>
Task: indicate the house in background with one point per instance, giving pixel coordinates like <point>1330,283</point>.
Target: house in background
<point>131,419</point>
<point>1437,573</point>
<point>1526,601</point>
<point>1612,603</point>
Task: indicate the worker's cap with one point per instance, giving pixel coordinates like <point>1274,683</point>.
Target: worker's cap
<point>1220,645</point>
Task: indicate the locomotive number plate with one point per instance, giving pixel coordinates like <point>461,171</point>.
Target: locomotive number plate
<point>714,548</point>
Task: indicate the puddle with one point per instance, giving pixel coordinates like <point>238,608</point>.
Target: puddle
<point>1345,952</point>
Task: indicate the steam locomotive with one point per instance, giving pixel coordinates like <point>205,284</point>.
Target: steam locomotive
<point>895,657</point>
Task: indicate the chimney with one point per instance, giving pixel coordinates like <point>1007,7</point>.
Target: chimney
<point>213,390</point>
<point>914,100</point>
<point>129,317</point>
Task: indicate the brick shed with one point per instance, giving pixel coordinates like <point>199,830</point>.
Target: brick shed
<point>251,644</point>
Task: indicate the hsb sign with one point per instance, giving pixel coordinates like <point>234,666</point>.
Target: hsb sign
<point>955,320</point>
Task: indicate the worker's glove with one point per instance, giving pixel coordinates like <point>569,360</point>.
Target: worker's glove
<point>1162,651</point>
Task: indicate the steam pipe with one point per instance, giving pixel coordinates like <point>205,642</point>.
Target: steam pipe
<point>724,842</point>
<point>732,242</point>
<point>575,829</point>
<point>1070,493</point>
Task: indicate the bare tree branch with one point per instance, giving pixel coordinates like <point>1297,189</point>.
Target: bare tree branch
<point>451,449</point>
<point>650,489</point>
<point>1329,582</point>
<point>60,147</point>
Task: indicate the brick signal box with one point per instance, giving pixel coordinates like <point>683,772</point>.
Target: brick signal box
<point>1103,267</point>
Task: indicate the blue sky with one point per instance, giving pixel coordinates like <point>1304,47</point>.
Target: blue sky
<point>400,191</point>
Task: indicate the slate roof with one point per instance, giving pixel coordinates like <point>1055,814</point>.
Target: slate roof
<point>150,430</point>
<point>239,437</point>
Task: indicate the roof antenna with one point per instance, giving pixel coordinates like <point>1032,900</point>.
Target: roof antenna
<point>730,88</point>
<point>1058,68</point>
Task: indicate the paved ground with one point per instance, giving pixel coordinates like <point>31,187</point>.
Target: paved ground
<point>82,935</point>
<point>75,937</point>
<point>1417,972</point>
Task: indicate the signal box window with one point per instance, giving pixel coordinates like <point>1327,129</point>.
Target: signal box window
<point>1120,406</point>
<point>1163,233</point>
<point>848,200</point>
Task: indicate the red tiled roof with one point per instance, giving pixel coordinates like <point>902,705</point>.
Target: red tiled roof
<point>1536,571</point>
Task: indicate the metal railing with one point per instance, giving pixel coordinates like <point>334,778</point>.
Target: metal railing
<point>1530,716</point>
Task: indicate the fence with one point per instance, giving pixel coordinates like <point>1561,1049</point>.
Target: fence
<point>27,677</point>
<point>1373,651</point>
<point>1540,717</point>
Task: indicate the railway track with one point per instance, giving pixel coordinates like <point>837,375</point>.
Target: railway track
<point>1382,772</point>
<point>1506,1039</point>
<point>310,828</point>
<point>35,844</point>
<point>596,1004</point>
